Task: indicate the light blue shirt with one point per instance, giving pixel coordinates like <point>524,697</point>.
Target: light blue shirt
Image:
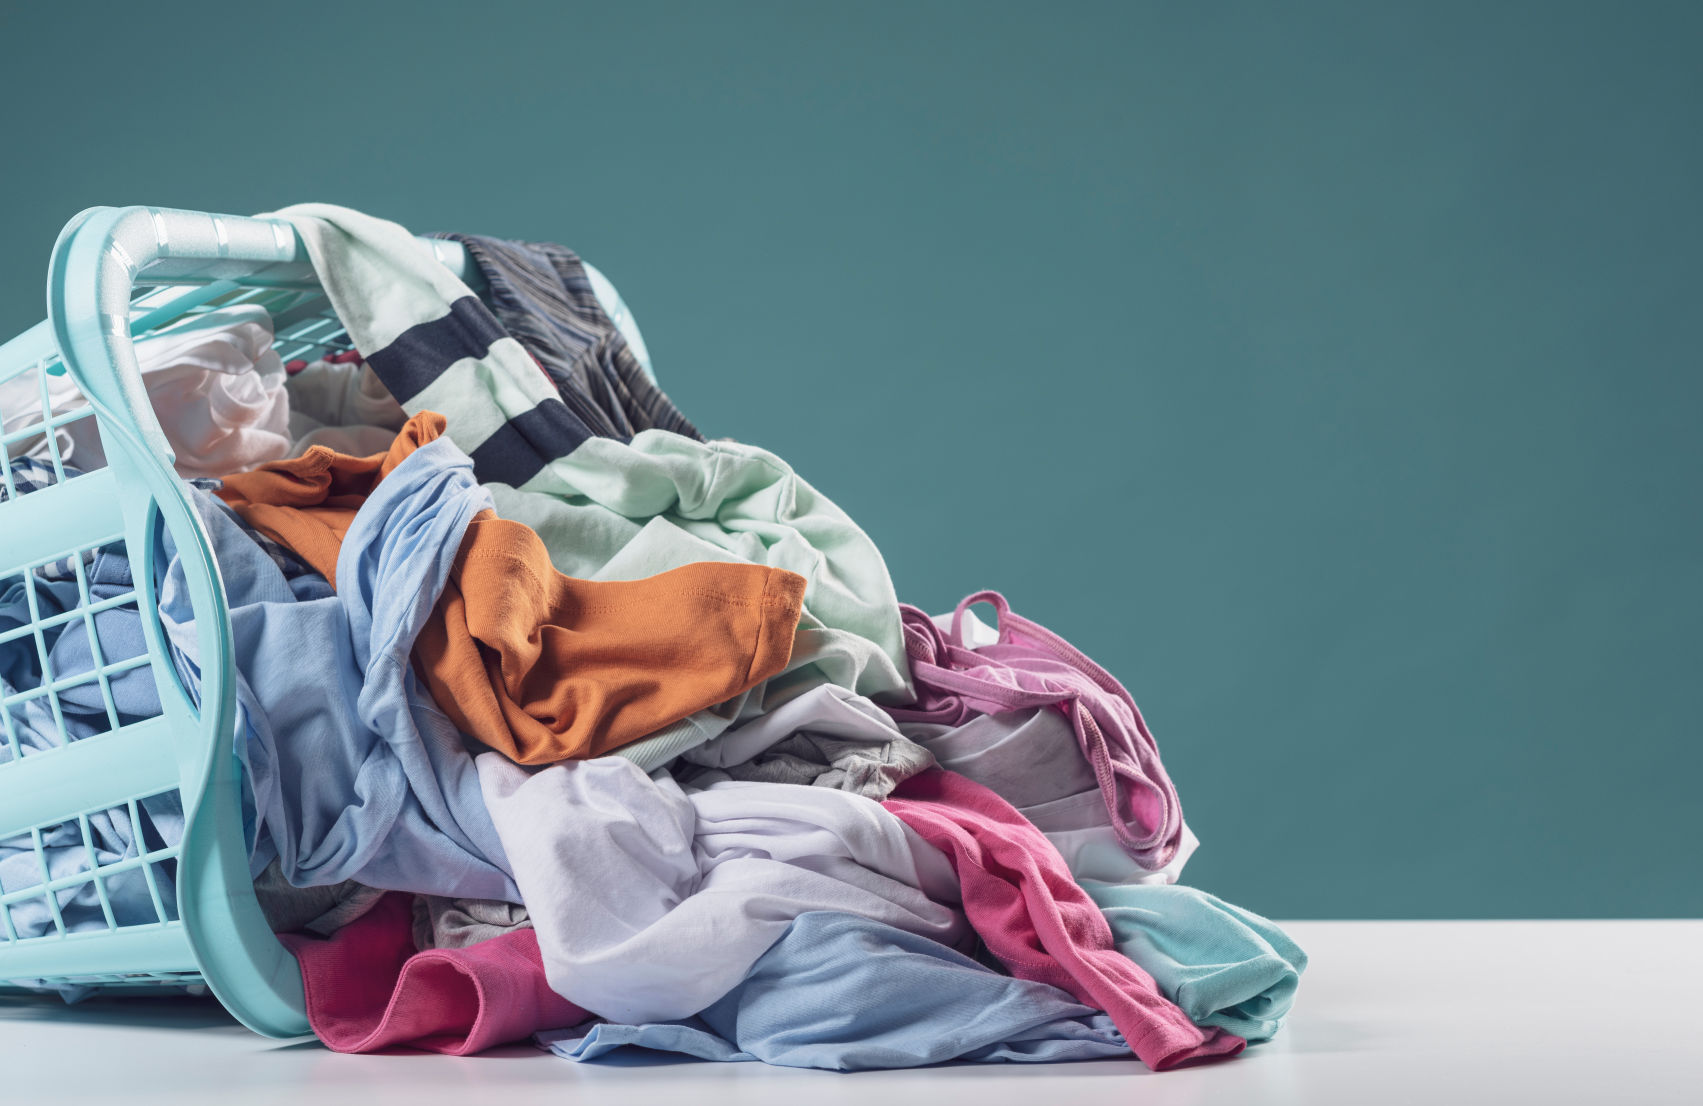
<point>849,994</point>
<point>355,773</point>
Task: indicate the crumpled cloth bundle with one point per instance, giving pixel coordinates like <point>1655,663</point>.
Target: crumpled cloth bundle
<point>1030,666</point>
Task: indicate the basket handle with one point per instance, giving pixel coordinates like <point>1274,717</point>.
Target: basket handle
<point>99,259</point>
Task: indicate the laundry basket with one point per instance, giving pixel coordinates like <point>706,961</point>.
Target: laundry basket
<point>75,769</point>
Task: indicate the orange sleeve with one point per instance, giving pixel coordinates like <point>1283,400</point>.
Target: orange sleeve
<point>543,667</point>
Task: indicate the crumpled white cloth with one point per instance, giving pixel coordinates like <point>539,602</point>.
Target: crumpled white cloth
<point>650,904</point>
<point>827,737</point>
<point>343,406</point>
<point>216,385</point>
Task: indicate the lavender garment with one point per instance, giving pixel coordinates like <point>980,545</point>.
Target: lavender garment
<point>1030,666</point>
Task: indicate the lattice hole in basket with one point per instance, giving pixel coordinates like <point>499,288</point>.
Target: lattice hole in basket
<point>305,328</point>
<point>105,870</point>
<point>45,423</point>
<point>73,660</point>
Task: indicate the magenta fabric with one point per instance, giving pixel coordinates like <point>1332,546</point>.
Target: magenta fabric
<point>367,989</point>
<point>1030,666</point>
<point>1022,901</point>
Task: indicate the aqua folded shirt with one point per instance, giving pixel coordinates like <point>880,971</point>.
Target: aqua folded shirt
<point>1224,966</point>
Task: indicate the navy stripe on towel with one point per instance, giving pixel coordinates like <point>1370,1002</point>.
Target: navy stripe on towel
<point>527,442</point>
<point>420,354</point>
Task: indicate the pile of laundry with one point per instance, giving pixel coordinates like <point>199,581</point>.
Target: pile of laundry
<point>561,722</point>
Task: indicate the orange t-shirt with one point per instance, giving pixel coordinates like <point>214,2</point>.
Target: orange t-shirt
<point>537,665</point>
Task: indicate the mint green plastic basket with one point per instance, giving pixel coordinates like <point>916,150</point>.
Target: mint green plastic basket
<point>116,274</point>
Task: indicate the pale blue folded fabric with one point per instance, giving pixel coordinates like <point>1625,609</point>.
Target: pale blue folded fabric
<point>848,994</point>
<point>1224,966</point>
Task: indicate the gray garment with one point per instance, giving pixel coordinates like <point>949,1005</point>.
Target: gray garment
<point>321,910</point>
<point>441,923</point>
<point>826,737</point>
<point>545,297</point>
<point>1029,757</point>
<point>869,769</point>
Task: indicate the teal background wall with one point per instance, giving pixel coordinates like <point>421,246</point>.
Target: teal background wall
<point>1330,372</point>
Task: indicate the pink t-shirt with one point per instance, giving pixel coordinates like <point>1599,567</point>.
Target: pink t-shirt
<point>1021,899</point>
<point>367,989</point>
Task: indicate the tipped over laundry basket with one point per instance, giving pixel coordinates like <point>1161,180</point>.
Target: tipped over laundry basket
<point>123,848</point>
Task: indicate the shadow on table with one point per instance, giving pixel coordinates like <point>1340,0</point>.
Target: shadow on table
<point>1328,1036</point>
<point>205,1013</point>
<point>179,1012</point>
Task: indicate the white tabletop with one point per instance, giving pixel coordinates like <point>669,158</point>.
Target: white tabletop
<point>1389,1012</point>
